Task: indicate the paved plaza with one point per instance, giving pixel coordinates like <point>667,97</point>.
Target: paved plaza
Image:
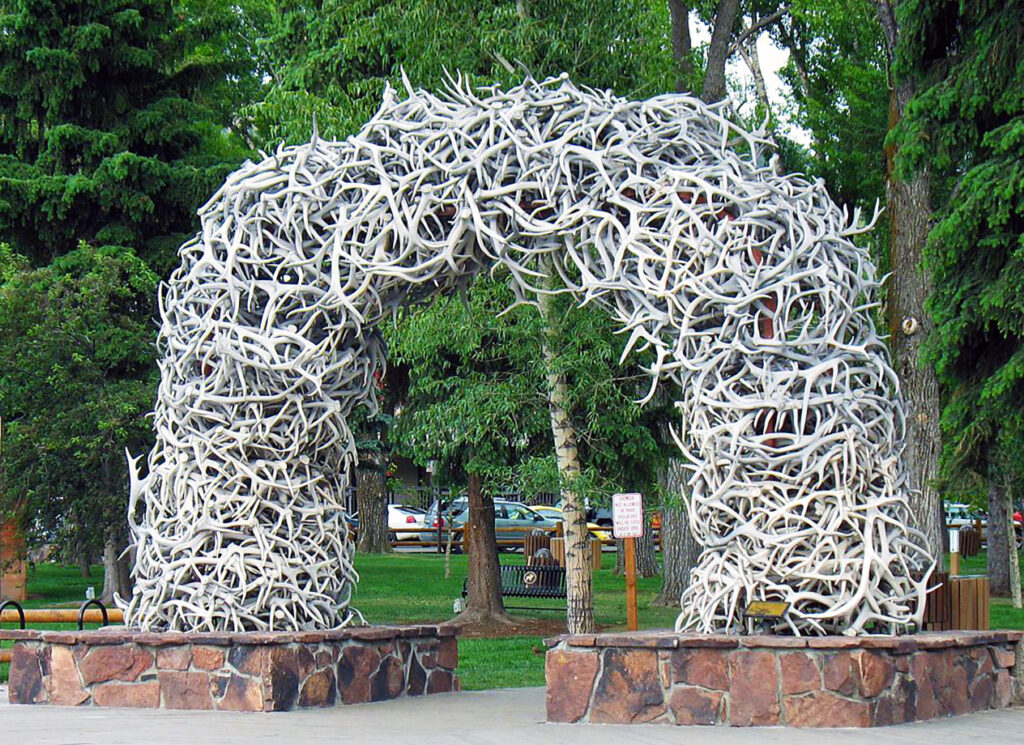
<point>513,717</point>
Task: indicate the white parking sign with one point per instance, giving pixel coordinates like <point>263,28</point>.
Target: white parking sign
<point>627,516</point>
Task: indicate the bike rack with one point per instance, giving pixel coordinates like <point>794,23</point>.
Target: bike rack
<point>86,604</point>
<point>21,611</point>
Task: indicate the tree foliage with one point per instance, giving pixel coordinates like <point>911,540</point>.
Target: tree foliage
<point>76,380</point>
<point>967,122</point>
<point>333,59</point>
<point>103,133</point>
<point>478,399</point>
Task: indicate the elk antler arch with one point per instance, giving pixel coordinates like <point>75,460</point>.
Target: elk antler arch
<point>744,282</point>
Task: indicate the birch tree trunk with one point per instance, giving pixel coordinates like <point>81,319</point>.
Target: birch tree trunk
<point>679,549</point>
<point>1013,563</point>
<point>909,213</point>
<point>578,579</point>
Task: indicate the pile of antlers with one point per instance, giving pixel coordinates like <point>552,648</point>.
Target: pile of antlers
<point>743,282</point>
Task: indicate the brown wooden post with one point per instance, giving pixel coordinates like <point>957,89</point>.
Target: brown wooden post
<point>631,611</point>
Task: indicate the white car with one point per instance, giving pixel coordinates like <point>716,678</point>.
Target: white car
<point>403,520</point>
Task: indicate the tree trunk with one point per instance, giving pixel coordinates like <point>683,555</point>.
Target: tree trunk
<point>483,602</point>
<point>372,501</point>
<point>679,548</point>
<point>909,212</point>
<point>82,559</point>
<point>753,62</point>
<point>998,551</point>
<point>682,46</point>
<point>1013,563</point>
<point>116,572</point>
<point>646,554</point>
<point>578,575</point>
<point>718,53</point>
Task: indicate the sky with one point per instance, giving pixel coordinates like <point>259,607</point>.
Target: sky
<point>773,59</point>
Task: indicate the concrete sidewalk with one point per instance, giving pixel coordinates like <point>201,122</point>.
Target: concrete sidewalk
<point>512,717</point>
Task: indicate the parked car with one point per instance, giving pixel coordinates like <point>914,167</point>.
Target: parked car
<point>514,521</point>
<point>403,520</point>
<point>555,513</point>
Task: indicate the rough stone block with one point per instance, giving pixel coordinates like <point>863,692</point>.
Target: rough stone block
<point>241,694</point>
<point>570,680</point>
<point>448,654</point>
<point>874,673</point>
<point>708,668</point>
<point>1003,657</point>
<point>1004,689</point>
<point>800,673</point>
<point>838,674</point>
<point>207,658</point>
<point>692,705</point>
<point>63,684</point>
<point>356,665</point>
<point>753,689</point>
<point>824,709</point>
<point>173,658</point>
<point>318,690</point>
<point>416,678</point>
<point>25,682</point>
<point>127,695</point>
<point>184,690</point>
<point>284,677</point>
<point>441,681</point>
<point>629,689</point>
<point>249,659</point>
<point>389,680</point>
<point>123,662</point>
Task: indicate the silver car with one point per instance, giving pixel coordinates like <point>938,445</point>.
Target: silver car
<point>513,521</point>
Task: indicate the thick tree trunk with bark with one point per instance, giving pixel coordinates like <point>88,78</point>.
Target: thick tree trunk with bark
<point>483,602</point>
<point>82,560</point>
<point>909,213</point>
<point>372,502</point>
<point>998,551</point>
<point>682,46</point>
<point>116,572</point>
<point>578,574</point>
<point>719,50</point>
<point>679,549</point>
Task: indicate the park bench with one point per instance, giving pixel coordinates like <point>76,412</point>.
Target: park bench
<point>519,581</point>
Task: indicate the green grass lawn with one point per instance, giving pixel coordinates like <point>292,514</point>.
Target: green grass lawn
<point>411,588</point>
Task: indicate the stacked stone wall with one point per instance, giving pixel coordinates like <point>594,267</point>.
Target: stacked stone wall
<point>684,679</point>
<point>265,671</point>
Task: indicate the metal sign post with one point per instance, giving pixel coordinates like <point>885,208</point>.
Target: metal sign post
<point>628,524</point>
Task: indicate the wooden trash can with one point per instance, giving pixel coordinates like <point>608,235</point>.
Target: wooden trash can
<point>969,599</point>
<point>558,551</point>
<point>534,543</point>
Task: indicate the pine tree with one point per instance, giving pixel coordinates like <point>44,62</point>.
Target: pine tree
<point>101,135</point>
<point>967,123</point>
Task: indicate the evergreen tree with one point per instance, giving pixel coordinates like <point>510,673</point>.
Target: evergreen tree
<point>102,138</point>
<point>967,123</point>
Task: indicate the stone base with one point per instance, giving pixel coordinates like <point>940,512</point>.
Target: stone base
<point>671,678</point>
<point>255,671</point>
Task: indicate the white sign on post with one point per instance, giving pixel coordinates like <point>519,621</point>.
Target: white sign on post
<point>954,541</point>
<point>627,516</point>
